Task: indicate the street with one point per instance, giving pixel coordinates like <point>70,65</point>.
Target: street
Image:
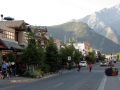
<point>73,80</point>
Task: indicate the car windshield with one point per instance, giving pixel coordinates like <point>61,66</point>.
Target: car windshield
<point>103,61</point>
<point>82,62</point>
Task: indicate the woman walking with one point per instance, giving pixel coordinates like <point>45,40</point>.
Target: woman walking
<point>90,67</point>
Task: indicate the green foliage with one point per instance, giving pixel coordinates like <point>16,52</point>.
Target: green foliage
<point>63,57</point>
<point>77,56</point>
<point>91,57</point>
<point>11,57</point>
<point>101,57</point>
<point>32,54</point>
<point>52,56</point>
<point>45,67</point>
<point>41,55</point>
<point>118,56</point>
<point>37,73</point>
<point>67,51</point>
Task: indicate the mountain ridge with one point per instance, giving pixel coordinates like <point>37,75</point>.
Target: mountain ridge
<point>105,22</point>
<point>82,32</point>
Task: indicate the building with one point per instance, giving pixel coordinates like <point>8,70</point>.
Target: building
<point>12,36</point>
<point>41,35</point>
<point>84,47</point>
<point>58,43</point>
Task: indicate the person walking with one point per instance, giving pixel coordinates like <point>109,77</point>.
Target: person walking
<point>90,67</point>
<point>4,69</point>
<point>79,67</point>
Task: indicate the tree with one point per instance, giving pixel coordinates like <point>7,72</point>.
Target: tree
<point>118,56</point>
<point>32,55</point>
<point>91,57</point>
<point>11,57</point>
<point>99,56</point>
<point>77,56</point>
<point>67,51</point>
<point>52,56</point>
<point>63,57</point>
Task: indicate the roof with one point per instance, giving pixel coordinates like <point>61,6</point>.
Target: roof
<point>5,28</point>
<point>9,44</point>
<point>12,24</point>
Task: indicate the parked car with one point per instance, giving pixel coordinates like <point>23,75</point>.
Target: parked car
<point>83,64</point>
<point>103,63</point>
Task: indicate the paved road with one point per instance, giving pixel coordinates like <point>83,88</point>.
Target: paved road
<point>73,80</point>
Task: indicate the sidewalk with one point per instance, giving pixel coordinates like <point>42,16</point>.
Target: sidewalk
<point>14,80</point>
<point>19,80</point>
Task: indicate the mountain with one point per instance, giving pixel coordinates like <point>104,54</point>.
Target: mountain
<point>106,22</point>
<point>80,32</point>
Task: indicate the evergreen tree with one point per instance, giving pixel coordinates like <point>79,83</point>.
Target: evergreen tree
<point>77,56</point>
<point>52,56</point>
<point>32,55</point>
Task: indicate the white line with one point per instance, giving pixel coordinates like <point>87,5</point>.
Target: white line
<point>59,84</point>
<point>119,78</point>
<point>102,84</point>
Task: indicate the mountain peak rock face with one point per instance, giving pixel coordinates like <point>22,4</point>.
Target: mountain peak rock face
<point>81,32</point>
<point>106,22</point>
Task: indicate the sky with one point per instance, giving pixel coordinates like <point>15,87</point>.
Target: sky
<point>52,12</point>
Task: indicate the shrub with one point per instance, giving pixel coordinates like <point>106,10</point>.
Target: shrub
<point>37,73</point>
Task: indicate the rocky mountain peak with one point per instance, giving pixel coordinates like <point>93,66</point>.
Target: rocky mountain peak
<point>100,21</point>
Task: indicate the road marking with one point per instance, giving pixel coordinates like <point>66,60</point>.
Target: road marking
<point>59,84</point>
<point>119,78</point>
<point>102,84</point>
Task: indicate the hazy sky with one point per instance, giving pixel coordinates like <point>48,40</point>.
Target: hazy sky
<point>52,12</point>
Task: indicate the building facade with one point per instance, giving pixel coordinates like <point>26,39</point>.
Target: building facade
<point>84,47</point>
<point>12,36</point>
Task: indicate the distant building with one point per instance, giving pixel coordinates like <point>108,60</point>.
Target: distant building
<point>41,34</point>
<point>83,47</point>
<point>58,43</point>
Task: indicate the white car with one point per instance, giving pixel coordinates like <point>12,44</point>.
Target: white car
<point>103,63</point>
<point>83,64</point>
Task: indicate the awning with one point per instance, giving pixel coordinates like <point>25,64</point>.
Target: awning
<point>10,45</point>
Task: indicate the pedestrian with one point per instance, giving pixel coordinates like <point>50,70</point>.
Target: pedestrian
<point>4,69</point>
<point>79,67</point>
<point>90,67</point>
<point>13,67</point>
<point>1,74</point>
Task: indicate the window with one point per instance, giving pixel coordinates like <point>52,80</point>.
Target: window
<point>9,35</point>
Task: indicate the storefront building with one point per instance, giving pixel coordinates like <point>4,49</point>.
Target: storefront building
<point>12,38</point>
